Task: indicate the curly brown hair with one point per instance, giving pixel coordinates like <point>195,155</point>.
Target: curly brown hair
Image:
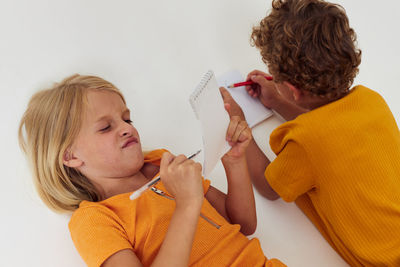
<point>309,44</point>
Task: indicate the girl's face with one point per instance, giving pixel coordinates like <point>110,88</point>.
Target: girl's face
<point>107,145</point>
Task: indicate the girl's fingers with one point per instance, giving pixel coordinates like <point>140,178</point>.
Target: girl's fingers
<point>166,159</point>
<point>178,160</point>
<point>198,166</point>
<point>245,135</point>
<point>226,96</point>
<point>241,127</point>
<point>227,107</point>
<point>232,127</point>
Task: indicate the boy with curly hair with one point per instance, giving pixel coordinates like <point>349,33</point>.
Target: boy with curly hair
<point>338,154</point>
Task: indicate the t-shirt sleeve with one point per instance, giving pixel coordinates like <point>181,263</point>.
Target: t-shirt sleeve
<point>290,173</point>
<point>97,234</point>
<point>206,185</point>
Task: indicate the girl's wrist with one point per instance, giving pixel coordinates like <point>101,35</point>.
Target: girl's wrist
<point>229,160</point>
<point>189,204</point>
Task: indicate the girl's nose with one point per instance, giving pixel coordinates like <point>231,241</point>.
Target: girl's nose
<point>126,129</point>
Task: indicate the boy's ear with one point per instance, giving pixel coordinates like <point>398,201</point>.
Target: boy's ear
<point>70,160</point>
<point>295,91</point>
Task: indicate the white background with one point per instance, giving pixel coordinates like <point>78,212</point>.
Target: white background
<point>156,53</point>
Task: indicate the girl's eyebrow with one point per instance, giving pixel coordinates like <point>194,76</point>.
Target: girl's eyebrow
<point>106,116</point>
<point>101,118</point>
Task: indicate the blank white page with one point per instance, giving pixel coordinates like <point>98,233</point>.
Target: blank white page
<point>208,105</point>
<point>253,110</point>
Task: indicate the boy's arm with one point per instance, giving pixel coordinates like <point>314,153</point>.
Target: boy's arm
<point>258,162</point>
<point>266,91</point>
<point>286,109</point>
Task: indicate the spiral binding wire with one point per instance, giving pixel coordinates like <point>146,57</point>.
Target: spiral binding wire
<point>199,89</point>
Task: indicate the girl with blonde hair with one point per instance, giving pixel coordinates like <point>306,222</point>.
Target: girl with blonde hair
<point>86,158</point>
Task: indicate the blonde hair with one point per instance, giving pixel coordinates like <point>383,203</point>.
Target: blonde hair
<point>47,129</point>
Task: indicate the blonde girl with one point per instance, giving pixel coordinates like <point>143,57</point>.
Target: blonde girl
<point>86,158</point>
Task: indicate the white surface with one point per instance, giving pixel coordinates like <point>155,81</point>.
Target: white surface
<point>155,52</point>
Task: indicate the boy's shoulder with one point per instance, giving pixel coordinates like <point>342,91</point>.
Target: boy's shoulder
<point>361,91</point>
<point>359,100</point>
<point>351,111</point>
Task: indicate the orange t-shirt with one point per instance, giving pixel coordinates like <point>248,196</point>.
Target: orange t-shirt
<point>341,164</point>
<point>100,229</point>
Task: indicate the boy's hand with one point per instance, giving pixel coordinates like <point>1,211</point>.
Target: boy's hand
<point>263,89</point>
<point>230,104</point>
<point>182,179</point>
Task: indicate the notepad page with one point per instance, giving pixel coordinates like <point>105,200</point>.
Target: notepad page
<point>208,105</point>
<point>253,110</point>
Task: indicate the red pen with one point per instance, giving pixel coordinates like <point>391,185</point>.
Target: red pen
<point>269,78</point>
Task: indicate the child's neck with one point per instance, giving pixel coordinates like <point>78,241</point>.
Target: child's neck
<point>115,186</point>
<point>290,110</point>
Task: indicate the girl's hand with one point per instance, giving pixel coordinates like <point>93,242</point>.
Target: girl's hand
<point>230,103</point>
<point>265,90</point>
<point>182,178</point>
<point>238,136</point>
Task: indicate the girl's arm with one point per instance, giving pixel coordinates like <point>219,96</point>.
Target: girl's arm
<point>177,245</point>
<point>182,179</point>
<point>238,206</point>
<point>256,159</point>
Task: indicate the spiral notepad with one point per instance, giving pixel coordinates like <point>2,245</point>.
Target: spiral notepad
<point>209,108</point>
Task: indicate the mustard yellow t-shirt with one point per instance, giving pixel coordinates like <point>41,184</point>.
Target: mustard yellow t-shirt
<point>340,163</point>
<point>100,229</point>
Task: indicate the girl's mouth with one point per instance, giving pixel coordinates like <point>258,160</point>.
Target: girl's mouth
<point>131,141</point>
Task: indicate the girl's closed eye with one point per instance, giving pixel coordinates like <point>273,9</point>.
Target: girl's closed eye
<point>105,128</point>
<point>129,121</point>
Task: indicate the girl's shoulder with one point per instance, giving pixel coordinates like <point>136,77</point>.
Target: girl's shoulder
<point>89,211</point>
<point>107,210</point>
<point>154,156</point>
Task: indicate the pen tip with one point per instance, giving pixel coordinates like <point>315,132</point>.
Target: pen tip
<point>230,86</point>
